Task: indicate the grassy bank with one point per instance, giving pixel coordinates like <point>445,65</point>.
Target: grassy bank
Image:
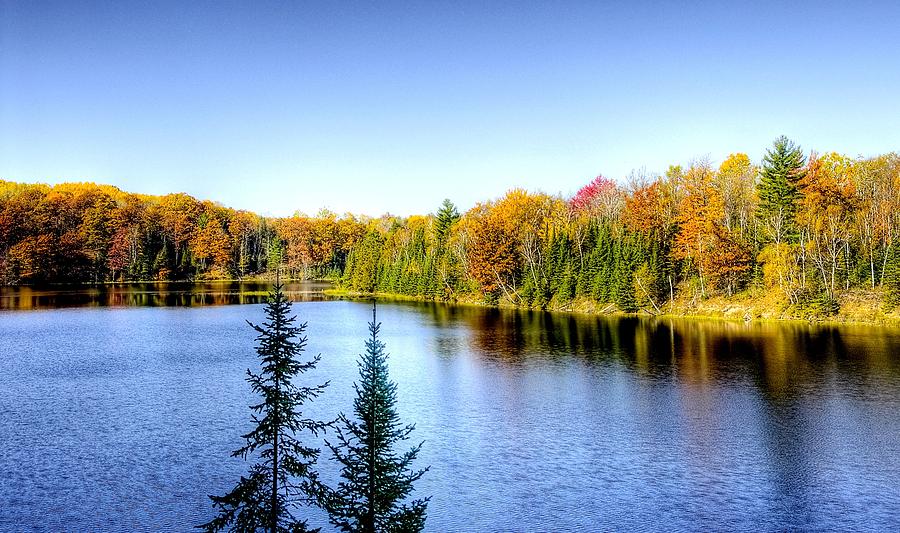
<point>856,307</point>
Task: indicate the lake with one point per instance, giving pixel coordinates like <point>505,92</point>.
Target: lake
<point>120,405</point>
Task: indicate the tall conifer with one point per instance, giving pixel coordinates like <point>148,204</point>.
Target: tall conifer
<point>447,215</point>
<point>376,479</point>
<point>783,166</point>
<point>283,478</point>
<point>892,279</point>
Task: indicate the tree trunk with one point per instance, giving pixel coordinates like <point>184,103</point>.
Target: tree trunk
<point>274,518</point>
<point>370,518</point>
<point>671,292</point>
<point>872,264</point>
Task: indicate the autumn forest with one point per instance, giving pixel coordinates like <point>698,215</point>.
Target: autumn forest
<point>806,227</point>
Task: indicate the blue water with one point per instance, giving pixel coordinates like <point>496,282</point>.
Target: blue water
<point>123,418</point>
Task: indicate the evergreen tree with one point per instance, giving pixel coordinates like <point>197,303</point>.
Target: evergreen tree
<point>566,291</point>
<point>892,279</point>
<point>783,167</point>
<point>589,271</point>
<point>447,215</point>
<point>284,478</point>
<point>429,285</point>
<point>276,254</point>
<point>603,258</point>
<point>622,279</point>
<point>362,273</point>
<point>376,480</point>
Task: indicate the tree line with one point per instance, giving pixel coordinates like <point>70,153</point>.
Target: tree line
<point>806,226</point>
<point>83,232</point>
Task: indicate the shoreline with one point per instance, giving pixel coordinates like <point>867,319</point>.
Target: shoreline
<point>858,308</point>
<point>84,284</point>
<point>719,314</point>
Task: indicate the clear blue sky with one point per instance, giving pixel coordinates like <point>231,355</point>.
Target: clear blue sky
<point>285,106</point>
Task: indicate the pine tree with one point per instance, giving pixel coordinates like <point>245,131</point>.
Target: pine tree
<point>622,292</point>
<point>376,480</point>
<point>590,269</point>
<point>276,254</point>
<point>283,478</point>
<point>429,285</point>
<point>603,257</point>
<point>447,215</point>
<point>892,280</point>
<point>777,188</point>
<point>362,272</point>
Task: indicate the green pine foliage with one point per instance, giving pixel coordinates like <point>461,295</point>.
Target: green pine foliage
<point>783,167</point>
<point>604,273</point>
<point>411,262</point>
<point>276,254</point>
<point>376,479</point>
<point>892,279</point>
<point>362,272</point>
<point>446,216</point>
<point>626,257</point>
<point>283,477</point>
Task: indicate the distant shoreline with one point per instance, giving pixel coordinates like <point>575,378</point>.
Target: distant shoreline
<point>85,284</point>
<point>729,312</point>
<point>858,307</point>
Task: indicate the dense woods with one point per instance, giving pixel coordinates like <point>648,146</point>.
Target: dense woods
<point>805,226</point>
<point>82,232</point>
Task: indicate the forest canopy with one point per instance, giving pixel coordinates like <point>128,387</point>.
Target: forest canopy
<point>805,225</point>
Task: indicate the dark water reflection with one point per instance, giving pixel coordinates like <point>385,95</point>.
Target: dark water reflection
<point>121,419</point>
<point>782,358</point>
<point>160,294</point>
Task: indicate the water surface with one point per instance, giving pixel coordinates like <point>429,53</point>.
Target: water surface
<point>151,294</point>
<point>120,416</point>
